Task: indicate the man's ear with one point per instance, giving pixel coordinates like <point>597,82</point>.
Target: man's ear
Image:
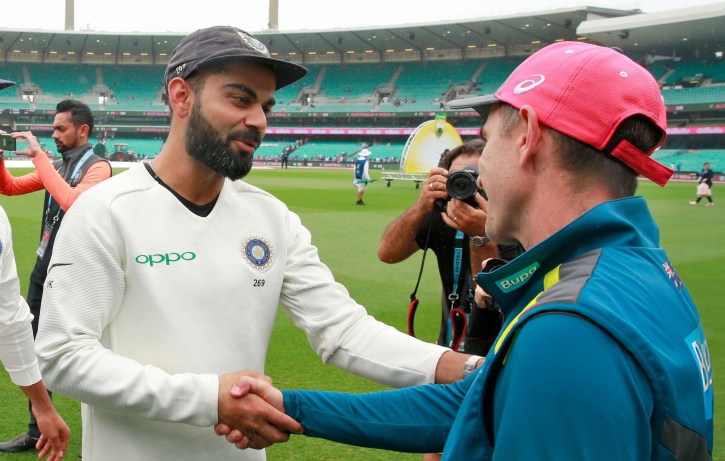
<point>530,142</point>
<point>84,131</point>
<point>181,97</point>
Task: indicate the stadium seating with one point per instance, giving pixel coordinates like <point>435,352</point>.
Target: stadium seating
<point>355,80</point>
<point>691,160</point>
<point>657,70</point>
<point>495,73</point>
<point>386,150</point>
<point>341,108</point>
<point>684,69</point>
<point>62,80</point>
<point>137,87</point>
<point>701,95</point>
<point>134,87</point>
<point>325,149</point>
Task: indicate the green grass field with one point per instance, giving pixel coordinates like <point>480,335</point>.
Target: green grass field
<point>347,237</point>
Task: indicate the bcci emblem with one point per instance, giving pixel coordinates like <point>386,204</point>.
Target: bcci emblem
<point>254,43</point>
<point>258,251</point>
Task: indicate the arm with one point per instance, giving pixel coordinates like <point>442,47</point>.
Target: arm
<point>26,184</point>
<point>16,350</point>
<point>413,420</point>
<point>60,190</point>
<point>399,239</point>
<point>340,330</point>
<point>52,181</point>
<point>569,391</point>
<point>16,334</point>
<point>54,431</point>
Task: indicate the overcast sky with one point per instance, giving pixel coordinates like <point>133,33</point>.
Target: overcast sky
<point>185,15</point>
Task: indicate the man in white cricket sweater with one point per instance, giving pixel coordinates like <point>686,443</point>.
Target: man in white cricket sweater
<point>165,279</point>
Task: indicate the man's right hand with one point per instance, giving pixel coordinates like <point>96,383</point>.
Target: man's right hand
<point>55,433</point>
<point>259,422</point>
<point>433,188</point>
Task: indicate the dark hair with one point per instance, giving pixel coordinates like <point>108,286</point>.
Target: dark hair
<point>587,164</point>
<point>473,147</point>
<point>80,114</point>
<point>197,79</point>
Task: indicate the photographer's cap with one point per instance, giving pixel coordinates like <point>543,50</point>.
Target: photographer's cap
<point>6,84</point>
<point>223,43</point>
<point>585,91</point>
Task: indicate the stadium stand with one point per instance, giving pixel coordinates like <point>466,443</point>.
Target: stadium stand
<point>701,95</point>
<point>134,87</point>
<point>691,160</point>
<point>325,149</point>
<point>686,69</point>
<point>287,96</point>
<point>657,70</point>
<point>356,80</point>
<point>387,150</point>
<point>61,80</point>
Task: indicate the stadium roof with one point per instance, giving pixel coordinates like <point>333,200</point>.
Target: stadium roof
<point>681,31</point>
<point>533,29</point>
<point>663,32</point>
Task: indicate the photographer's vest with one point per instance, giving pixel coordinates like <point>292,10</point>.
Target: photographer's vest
<point>72,168</point>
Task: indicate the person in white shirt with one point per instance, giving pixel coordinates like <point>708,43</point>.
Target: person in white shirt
<point>166,279</point>
<point>16,346</point>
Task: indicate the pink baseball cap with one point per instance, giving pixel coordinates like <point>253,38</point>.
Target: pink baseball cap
<point>586,91</point>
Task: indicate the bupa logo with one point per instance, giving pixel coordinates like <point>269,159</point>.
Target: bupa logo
<point>166,258</point>
<point>518,279</point>
<point>528,85</point>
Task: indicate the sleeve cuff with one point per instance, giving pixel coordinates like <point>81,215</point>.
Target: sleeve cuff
<point>25,377</point>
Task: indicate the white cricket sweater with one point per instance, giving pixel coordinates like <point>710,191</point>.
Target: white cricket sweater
<point>16,333</point>
<point>147,303</point>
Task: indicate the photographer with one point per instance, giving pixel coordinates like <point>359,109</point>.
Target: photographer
<point>408,233</point>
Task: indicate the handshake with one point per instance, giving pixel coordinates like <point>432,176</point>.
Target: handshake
<point>251,411</point>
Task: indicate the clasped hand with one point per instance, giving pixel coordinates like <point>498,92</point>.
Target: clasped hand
<point>251,411</point>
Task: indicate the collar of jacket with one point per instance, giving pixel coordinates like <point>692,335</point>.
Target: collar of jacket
<point>624,222</point>
<point>72,155</point>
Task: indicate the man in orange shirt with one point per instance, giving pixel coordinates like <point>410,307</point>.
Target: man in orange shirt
<point>63,181</point>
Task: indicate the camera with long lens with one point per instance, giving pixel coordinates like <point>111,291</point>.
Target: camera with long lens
<point>461,185</point>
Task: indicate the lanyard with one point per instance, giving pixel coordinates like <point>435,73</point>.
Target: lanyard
<point>459,315</point>
<point>457,262</point>
<point>75,172</point>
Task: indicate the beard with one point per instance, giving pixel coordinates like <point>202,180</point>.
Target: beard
<point>207,146</point>
<point>61,147</point>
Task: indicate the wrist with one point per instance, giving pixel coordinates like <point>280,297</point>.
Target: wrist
<point>479,240</point>
<point>471,364</point>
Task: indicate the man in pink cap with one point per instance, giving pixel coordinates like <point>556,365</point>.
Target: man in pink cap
<point>602,355</point>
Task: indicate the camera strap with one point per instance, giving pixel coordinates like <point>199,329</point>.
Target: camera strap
<point>413,307</point>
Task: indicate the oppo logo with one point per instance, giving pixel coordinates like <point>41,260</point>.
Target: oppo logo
<point>527,85</point>
<point>166,258</point>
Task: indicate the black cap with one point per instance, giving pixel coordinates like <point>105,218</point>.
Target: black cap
<point>223,43</point>
<point>6,84</point>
